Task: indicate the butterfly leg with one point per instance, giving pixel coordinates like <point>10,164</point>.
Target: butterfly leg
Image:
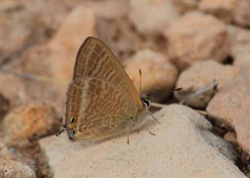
<point>153,117</point>
<point>128,131</point>
<point>61,130</point>
<point>148,128</point>
<point>150,131</point>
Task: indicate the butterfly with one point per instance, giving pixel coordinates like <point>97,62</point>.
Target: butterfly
<point>102,101</point>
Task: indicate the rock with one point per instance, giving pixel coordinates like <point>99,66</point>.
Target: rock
<point>113,8</point>
<point>24,25</point>
<point>118,35</point>
<point>16,27</point>
<point>200,74</point>
<point>36,22</point>
<point>67,41</point>
<point>4,106</point>
<point>231,106</point>
<point>183,147</point>
<point>236,11</point>
<point>196,37</point>
<point>230,137</point>
<point>242,56</point>
<point>201,96</point>
<point>238,36</point>
<point>239,39</point>
<point>13,94</point>
<point>153,16</point>
<point>223,9</point>
<point>158,74</point>
<point>242,13</point>
<point>29,123</point>
<point>5,152</point>
<point>13,169</point>
<point>41,86</point>
<point>186,5</point>
<point>33,82</point>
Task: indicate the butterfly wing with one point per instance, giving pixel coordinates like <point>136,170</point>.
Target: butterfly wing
<point>99,109</point>
<point>95,59</point>
<point>101,97</point>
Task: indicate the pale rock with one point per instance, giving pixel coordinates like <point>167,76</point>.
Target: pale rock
<point>14,94</point>
<point>25,24</point>
<point>236,11</point>
<point>10,5</point>
<point>196,37</point>
<point>241,14</point>
<point>238,36</point>
<point>118,35</point>
<point>158,74</point>
<point>13,169</point>
<point>183,147</point>
<point>113,8</point>
<point>186,5</point>
<point>241,56</point>
<point>28,65</point>
<point>230,137</point>
<point>31,75</point>
<point>5,152</point>
<point>15,27</point>
<point>200,74</point>
<point>4,106</point>
<point>64,46</point>
<point>231,107</point>
<point>223,9</point>
<point>29,123</point>
<point>239,40</point>
<point>152,16</point>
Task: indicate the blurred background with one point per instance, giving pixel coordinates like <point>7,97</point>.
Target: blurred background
<point>202,46</point>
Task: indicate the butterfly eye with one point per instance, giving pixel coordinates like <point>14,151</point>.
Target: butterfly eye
<point>71,120</point>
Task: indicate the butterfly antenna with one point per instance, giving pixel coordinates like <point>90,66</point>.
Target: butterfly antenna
<point>211,86</point>
<point>172,91</point>
<point>159,105</point>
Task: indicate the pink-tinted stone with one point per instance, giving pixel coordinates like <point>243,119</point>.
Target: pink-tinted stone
<point>199,75</point>
<point>158,74</point>
<point>186,5</point>
<point>29,123</point>
<point>64,46</point>
<point>4,106</point>
<point>239,39</point>
<point>223,9</point>
<point>231,106</point>
<point>13,169</point>
<point>153,16</point>
<point>230,11</point>
<point>196,37</point>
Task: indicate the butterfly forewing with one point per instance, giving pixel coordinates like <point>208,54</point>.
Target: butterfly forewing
<point>94,59</point>
<point>101,98</point>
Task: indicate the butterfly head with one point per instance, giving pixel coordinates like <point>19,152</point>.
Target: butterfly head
<point>146,102</point>
<point>71,127</point>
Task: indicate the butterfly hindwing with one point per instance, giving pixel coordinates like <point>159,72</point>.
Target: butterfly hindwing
<point>98,108</point>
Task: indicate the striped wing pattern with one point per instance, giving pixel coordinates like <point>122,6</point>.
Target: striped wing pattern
<point>101,97</point>
<point>94,59</point>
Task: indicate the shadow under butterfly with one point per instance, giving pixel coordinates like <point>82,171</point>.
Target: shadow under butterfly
<point>102,101</point>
